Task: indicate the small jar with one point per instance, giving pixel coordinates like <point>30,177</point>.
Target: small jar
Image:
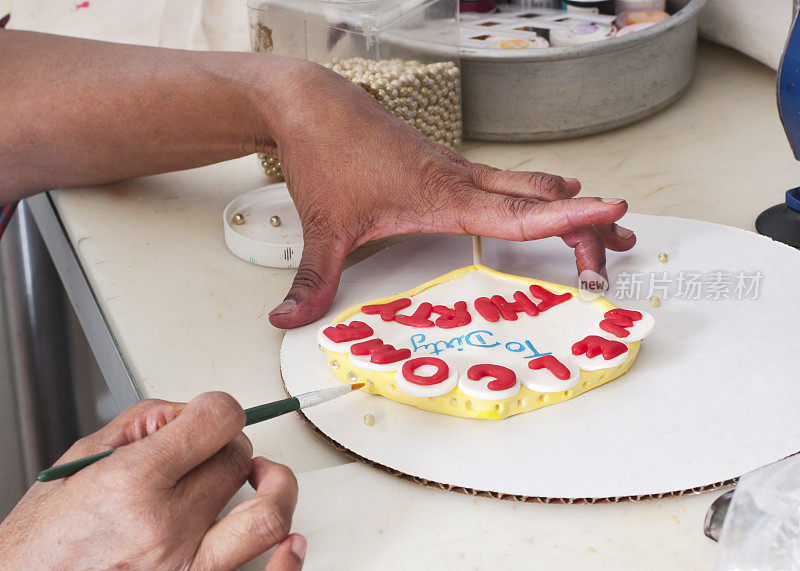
<point>589,6</point>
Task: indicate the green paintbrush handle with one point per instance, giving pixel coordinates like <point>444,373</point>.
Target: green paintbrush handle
<point>70,468</point>
<point>271,410</point>
<point>253,415</point>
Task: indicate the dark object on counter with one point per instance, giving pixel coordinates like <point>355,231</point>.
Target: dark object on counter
<point>596,6</point>
<point>477,5</point>
<point>715,516</point>
<point>782,222</point>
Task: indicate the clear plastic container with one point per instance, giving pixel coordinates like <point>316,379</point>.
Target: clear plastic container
<point>403,52</point>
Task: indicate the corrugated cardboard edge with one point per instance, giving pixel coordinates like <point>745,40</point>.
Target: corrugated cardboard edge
<point>499,495</point>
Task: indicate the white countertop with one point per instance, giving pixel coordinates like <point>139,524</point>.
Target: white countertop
<point>190,317</point>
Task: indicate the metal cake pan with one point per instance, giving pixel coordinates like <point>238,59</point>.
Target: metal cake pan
<point>556,93</point>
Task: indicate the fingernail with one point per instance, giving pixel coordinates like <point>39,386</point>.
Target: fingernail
<point>613,200</point>
<point>623,233</point>
<point>299,547</point>
<point>286,306</point>
<point>572,181</point>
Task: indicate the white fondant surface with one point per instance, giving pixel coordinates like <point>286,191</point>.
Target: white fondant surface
<point>505,342</point>
<point>692,411</point>
<point>544,381</point>
<point>364,362</point>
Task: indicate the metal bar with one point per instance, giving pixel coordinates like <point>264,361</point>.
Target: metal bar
<point>109,357</point>
<point>37,326</point>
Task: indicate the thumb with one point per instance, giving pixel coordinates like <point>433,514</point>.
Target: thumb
<point>315,282</point>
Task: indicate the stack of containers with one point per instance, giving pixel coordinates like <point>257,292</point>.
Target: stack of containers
<point>536,28</point>
<point>403,52</point>
<point>518,26</point>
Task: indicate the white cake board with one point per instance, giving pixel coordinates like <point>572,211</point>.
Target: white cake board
<point>713,394</point>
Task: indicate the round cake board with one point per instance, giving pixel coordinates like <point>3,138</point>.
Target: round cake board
<point>713,393</point>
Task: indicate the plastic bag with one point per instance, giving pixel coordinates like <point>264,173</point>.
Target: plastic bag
<point>762,526</point>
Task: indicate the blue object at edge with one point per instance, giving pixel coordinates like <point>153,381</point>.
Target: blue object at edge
<point>793,199</point>
<point>788,80</point>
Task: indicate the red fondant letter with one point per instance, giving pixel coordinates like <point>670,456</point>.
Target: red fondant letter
<point>341,333</point>
<point>379,352</point>
<point>455,317</point>
<point>618,320</point>
<point>559,370</point>
<point>387,311</point>
<point>486,309</point>
<point>611,327</point>
<point>499,306</point>
<point>504,378</point>
<point>594,345</point>
<point>419,318</point>
<point>410,367</point>
<point>629,313</point>
<point>549,299</point>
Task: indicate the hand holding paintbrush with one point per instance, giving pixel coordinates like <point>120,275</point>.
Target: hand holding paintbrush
<point>157,499</point>
<point>253,415</point>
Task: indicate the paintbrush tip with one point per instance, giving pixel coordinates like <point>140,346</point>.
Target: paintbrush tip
<point>356,386</point>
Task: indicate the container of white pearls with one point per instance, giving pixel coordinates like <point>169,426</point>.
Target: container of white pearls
<point>405,53</point>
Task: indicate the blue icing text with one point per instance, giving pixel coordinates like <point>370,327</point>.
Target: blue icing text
<point>480,338</point>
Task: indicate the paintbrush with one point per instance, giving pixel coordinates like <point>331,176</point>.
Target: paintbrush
<point>253,415</point>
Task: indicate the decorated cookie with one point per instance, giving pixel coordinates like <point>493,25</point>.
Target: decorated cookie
<point>478,343</point>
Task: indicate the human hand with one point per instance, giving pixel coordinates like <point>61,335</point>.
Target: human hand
<point>357,173</point>
<point>153,503</point>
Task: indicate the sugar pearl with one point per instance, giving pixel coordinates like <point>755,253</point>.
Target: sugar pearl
<point>663,257</point>
<point>369,419</point>
<point>655,301</point>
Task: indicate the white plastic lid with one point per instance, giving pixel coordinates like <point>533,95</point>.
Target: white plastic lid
<point>276,244</point>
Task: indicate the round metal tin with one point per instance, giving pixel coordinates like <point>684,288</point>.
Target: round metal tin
<point>554,93</point>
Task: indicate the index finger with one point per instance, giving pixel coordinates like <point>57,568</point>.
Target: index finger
<point>526,184</point>
<point>590,253</point>
<point>203,428</point>
<point>134,423</point>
